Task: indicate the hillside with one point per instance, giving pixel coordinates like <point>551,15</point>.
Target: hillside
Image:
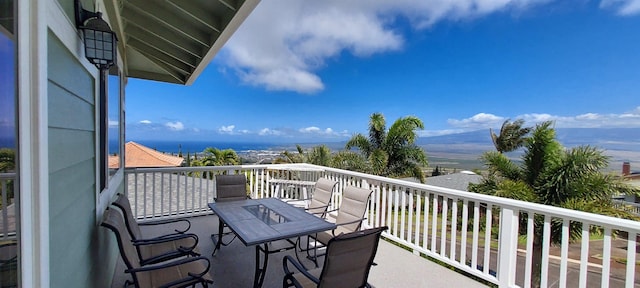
<point>462,150</point>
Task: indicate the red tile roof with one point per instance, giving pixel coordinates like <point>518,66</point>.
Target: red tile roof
<point>137,155</point>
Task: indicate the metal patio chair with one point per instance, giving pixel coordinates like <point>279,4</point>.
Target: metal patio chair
<point>349,219</point>
<point>228,188</point>
<point>161,247</point>
<point>183,272</point>
<point>348,259</point>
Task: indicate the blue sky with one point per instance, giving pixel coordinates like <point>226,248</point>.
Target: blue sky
<point>314,71</point>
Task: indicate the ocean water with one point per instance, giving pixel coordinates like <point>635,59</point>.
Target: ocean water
<point>199,146</point>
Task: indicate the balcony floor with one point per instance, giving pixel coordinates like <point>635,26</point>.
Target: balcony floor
<point>233,265</point>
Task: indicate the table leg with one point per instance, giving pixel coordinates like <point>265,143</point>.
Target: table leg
<point>218,242</point>
<point>258,279</point>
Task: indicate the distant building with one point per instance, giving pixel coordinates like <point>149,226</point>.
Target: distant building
<point>459,181</point>
<point>633,178</point>
<point>138,155</point>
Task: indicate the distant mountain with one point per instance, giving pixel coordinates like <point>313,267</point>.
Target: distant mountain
<point>606,138</point>
<point>621,144</point>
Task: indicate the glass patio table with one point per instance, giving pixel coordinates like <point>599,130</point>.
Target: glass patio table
<point>260,221</point>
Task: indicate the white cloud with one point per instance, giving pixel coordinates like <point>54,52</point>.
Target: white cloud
<point>227,129</point>
<point>113,123</point>
<point>477,121</point>
<point>311,129</point>
<point>145,122</point>
<point>269,132</point>
<point>175,126</point>
<point>327,132</point>
<point>622,7</point>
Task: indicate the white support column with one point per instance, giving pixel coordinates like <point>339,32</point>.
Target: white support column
<point>508,247</point>
<point>33,141</point>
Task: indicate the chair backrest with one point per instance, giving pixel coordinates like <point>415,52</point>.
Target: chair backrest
<point>231,187</point>
<point>349,258</point>
<point>322,192</point>
<point>122,202</point>
<point>114,221</point>
<point>353,206</point>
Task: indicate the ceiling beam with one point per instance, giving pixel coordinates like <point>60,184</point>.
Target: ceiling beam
<point>197,13</point>
<point>167,36</point>
<point>175,51</point>
<point>229,5</point>
<point>167,19</point>
<point>165,62</point>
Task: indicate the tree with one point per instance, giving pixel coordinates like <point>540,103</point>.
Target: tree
<point>7,160</point>
<point>512,136</point>
<point>319,155</point>
<point>216,157</point>
<point>392,152</point>
<point>288,157</point>
<point>552,175</point>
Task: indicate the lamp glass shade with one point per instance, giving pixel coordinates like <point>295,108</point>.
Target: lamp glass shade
<point>100,43</point>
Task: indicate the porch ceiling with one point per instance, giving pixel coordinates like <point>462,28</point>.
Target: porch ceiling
<point>174,40</point>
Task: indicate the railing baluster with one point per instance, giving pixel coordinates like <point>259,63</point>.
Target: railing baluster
<point>403,209</point>
<point>463,230</point>
<point>443,229</point>
<point>454,228</point>
<point>606,258</point>
<point>584,255</point>
<point>487,238</point>
<point>631,259</point>
<point>476,235</point>
<point>529,253</point>
<point>5,213</point>
<point>418,204</point>
<point>425,239</point>
<point>546,241</point>
<point>564,253</point>
<point>434,223</point>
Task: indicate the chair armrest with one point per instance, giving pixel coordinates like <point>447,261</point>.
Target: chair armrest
<point>299,267</point>
<point>296,200</point>
<point>168,238</point>
<point>168,221</point>
<point>347,223</point>
<point>182,261</point>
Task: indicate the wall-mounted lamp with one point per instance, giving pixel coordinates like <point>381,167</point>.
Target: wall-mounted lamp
<point>100,42</point>
<point>100,48</point>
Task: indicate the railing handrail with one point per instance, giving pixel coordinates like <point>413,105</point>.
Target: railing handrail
<point>7,176</point>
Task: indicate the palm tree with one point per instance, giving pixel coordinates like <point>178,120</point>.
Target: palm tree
<point>392,152</point>
<point>319,155</point>
<point>552,175</point>
<point>512,136</point>
<point>288,157</point>
<point>216,157</point>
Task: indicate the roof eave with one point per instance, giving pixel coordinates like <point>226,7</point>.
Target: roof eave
<point>242,14</point>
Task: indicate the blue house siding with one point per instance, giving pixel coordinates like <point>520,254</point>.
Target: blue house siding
<point>75,260</point>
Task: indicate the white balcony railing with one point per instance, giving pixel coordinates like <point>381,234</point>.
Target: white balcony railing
<point>477,234</point>
<point>7,207</point>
